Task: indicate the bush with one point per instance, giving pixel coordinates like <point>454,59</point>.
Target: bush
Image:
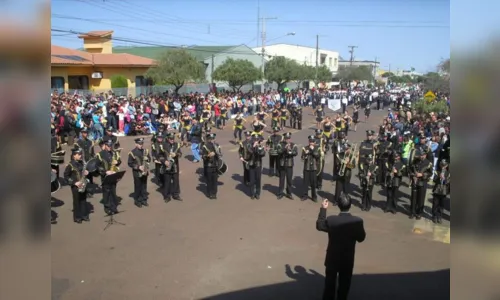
<point>424,107</point>
<point>119,81</point>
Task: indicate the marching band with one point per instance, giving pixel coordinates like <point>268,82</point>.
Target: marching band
<point>378,162</point>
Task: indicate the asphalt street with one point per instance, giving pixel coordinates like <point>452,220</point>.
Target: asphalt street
<point>238,248</point>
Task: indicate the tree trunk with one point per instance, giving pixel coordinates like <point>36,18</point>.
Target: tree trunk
<point>177,88</point>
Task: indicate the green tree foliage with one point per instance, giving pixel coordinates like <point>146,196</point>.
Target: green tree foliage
<point>435,82</point>
<point>388,75</point>
<point>355,73</point>
<point>281,70</point>
<point>237,73</point>
<point>302,73</point>
<point>324,75</point>
<point>176,67</point>
<point>425,107</point>
<point>119,81</point>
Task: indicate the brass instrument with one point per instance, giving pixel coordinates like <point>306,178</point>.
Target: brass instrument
<point>349,161</point>
<point>145,164</point>
<point>83,180</point>
<point>116,158</point>
<point>169,160</point>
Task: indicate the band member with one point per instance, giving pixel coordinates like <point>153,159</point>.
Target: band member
<point>424,147</point>
<point>158,154</point>
<point>171,184</point>
<point>75,176</point>
<point>367,147</point>
<point>55,146</point>
<point>297,118</point>
<point>245,156</point>
<point>275,115</point>
<point>138,160</point>
<point>368,111</point>
<point>355,115</point>
<point>109,136</point>
<point>327,132</point>
<point>383,151</point>
<point>108,162</point>
<point>395,169</point>
<point>87,147</point>
<point>345,161</point>
<point>185,127</point>
<point>284,114</point>
<point>321,143</point>
<point>320,114</point>
<point>238,127</point>
<point>257,152</point>
<point>440,190</point>
<point>272,144</point>
<point>257,126</point>
<point>206,114</point>
<point>262,115</point>
<point>223,115</point>
<point>287,152</point>
<point>368,173</point>
<point>159,132</point>
<point>420,172</point>
<point>196,138</point>
<point>336,149</point>
<point>311,156</point>
<point>293,114</point>
<point>339,123</point>
<point>347,122</point>
<point>211,153</point>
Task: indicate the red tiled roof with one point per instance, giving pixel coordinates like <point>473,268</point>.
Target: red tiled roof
<point>66,56</point>
<point>96,34</point>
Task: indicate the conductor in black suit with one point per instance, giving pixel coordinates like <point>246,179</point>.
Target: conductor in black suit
<point>344,231</point>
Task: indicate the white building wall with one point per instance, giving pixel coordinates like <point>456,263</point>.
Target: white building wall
<point>303,55</point>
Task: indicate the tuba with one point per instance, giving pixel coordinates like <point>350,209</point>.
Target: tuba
<point>145,164</point>
<point>348,162</point>
<point>83,180</point>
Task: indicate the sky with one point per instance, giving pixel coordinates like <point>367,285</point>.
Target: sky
<point>400,34</point>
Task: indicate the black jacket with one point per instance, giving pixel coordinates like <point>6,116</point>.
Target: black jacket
<point>344,231</point>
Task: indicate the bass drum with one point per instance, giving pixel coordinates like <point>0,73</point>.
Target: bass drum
<point>55,185</point>
<point>92,165</point>
<point>221,167</point>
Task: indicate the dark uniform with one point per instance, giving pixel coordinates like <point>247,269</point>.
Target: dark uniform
<point>211,153</point>
<point>158,154</point>
<point>104,164</point>
<point>419,184</point>
<point>272,143</point>
<point>87,147</point>
<point>320,141</point>
<point>74,174</point>
<point>245,157</point>
<point>311,156</point>
<point>287,152</point>
<point>368,173</point>
<point>440,190</point>
<point>136,158</point>
<point>257,152</point>
<point>343,153</point>
<point>110,137</point>
<point>297,121</point>
<point>395,170</point>
<point>171,184</point>
<point>159,132</point>
<point>293,115</point>
<point>367,147</point>
<point>54,147</point>
<point>384,150</point>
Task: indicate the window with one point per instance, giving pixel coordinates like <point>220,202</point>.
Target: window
<point>57,83</point>
<point>335,61</point>
<point>330,62</point>
<point>78,82</point>
<point>322,59</point>
<point>141,81</point>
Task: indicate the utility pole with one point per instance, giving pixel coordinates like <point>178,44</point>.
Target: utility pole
<point>264,19</point>
<point>317,57</point>
<point>352,53</point>
<point>212,72</point>
<point>375,68</point>
<point>258,22</point>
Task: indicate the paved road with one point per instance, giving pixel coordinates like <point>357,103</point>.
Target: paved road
<point>236,248</point>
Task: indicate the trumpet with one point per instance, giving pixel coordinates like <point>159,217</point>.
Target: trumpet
<point>116,158</point>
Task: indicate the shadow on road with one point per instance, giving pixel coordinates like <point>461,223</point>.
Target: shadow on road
<point>240,186</point>
<point>308,285</point>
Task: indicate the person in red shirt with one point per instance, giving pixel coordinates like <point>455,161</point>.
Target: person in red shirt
<point>217,114</point>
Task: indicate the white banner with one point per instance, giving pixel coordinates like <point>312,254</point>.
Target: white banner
<point>334,104</point>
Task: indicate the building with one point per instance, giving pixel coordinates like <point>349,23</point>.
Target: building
<point>303,55</point>
<point>92,69</point>
<point>211,56</point>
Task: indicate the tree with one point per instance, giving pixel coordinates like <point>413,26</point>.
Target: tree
<point>176,67</point>
<point>388,75</point>
<point>323,75</point>
<point>280,70</point>
<point>237,73</point>
<point>363,73</point>
<point>119,81</point>
<point>302,73</point>
<point>435,82</point>
<point>444,66</point>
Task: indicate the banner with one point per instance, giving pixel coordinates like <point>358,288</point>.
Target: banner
<point>334,104</point>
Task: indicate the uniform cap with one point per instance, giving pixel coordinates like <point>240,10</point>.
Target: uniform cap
<point>318,131</point>
<point>76,150</point>
<point>276,129</point>
<point>139,141</point>
<point>248,133</point>
<point>211,136</point>
<point>287,135</point>
<point>311,138</point>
